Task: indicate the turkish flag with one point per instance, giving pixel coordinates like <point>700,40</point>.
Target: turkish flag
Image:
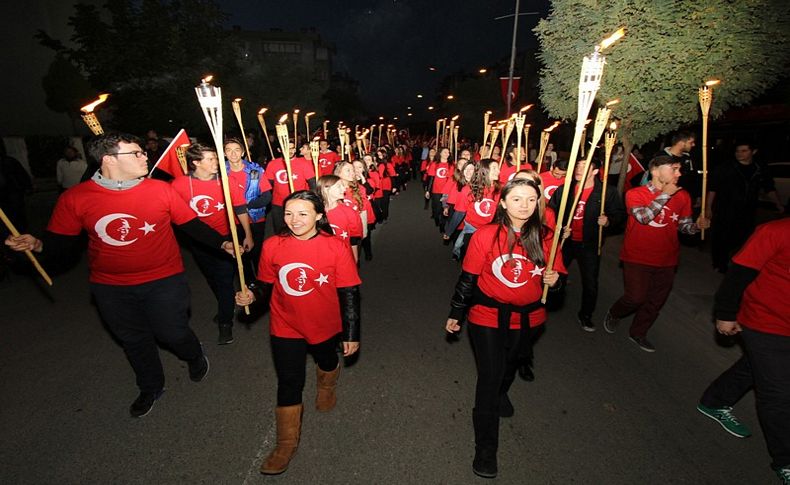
<point>169,161</point>
<point>513,90</point>
<point>634,169</point>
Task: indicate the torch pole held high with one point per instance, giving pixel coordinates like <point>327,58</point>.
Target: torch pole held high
<point>210,98</point>
<point>236,103</point>
<point>265,132</point>
<point>609,140</point>
<point>282,137</point>
<point>705,99</point>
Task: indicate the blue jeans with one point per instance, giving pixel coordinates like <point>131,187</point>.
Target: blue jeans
<point>459,242</point>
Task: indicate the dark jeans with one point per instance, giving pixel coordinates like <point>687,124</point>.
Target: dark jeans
<point>219,269</point>
<point>142,315</point>
<point>252,258</point>
<point>589,263</point>
<point>289,355</point>
<point>646,290</point>
<point>385,205</point>
<point>436,211</point>
<point>765,367</point>
<point>277,215</point>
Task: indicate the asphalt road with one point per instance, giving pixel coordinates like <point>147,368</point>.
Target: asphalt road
<point>600,411</point>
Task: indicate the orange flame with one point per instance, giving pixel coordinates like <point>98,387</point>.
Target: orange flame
<point>283,118</point>
<point>207,79</point>
<point>613,102</point>
<point>612,38</point>
<point>88,108</point>
<point>262,110</point>
<point>525,108</point>
<point>712,82</point>
<point>613,125</point>
<point>550,128</point>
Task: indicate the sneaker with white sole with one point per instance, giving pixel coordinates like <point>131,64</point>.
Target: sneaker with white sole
<point>783,474</point>
<point>726,419</point>
<point>610,323</point>
<point>643,343</point>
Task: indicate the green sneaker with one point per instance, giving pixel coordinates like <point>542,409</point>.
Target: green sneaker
<point>784,474</point>
<point>726,419</point>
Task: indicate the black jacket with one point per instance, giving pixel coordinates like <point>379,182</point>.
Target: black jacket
<point>614,210</point>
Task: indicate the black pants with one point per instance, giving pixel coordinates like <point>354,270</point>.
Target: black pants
<point>589,263</point>
<point>436,211</point>
<point>385,205</point>
<point>219,270</point>
<point>142,315</point>
<point>252,258</point>
<point>765,367</point>
<point>289,356</point>
<point>277,215</point>
<point>497,358</point>
<point>727,237</point>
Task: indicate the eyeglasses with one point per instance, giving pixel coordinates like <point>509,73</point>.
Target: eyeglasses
<point>136,153</point>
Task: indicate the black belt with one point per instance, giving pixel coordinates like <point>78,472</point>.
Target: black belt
<point>504,311</point>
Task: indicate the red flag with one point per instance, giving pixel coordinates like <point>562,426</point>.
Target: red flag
<point>169,162</point>
<point>513,89</point>
<point>634,169</point>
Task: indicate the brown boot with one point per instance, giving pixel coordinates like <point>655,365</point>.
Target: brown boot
<point>326,382</point>
<point>289,426</point>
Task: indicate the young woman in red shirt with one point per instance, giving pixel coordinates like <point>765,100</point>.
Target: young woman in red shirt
<point>439,174</point>
<point>424,166</point>
<point>310,281</point>
<point>477,203</point>
<point>345,222</point>
<point>499,292</point>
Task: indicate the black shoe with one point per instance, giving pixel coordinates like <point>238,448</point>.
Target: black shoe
<point>586,323</point>
<point>484,464</point>
<point>505,406</point>
<point>198,369</point>
<point>144,403</point>
<point>525,372</point>
<point>225,335</point>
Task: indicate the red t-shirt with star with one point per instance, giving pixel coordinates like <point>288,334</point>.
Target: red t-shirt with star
<point>577,223</point>
<point>655,243</point>
<point>326,163</point>
<point>479,213</point>
<point>302,171</point>
<point>550,183</point>
<point>345,222</point>
<point>130,238</point>
<point>765,306</point>
<point>306,276</point>
<point>206,199</point>
<point>507,171</point>
<point>507,278</point>
<point>441,173</point>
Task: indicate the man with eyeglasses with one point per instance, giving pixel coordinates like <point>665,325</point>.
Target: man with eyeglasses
<point>136,271</point>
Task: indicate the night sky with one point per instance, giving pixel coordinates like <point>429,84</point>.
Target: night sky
<point>388,45</point>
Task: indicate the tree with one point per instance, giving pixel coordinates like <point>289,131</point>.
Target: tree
<point>669,50</point>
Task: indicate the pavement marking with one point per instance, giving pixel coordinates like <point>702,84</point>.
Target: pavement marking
<point>254,472</point>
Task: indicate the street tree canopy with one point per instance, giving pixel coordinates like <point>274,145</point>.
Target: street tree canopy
<point>669,51</point>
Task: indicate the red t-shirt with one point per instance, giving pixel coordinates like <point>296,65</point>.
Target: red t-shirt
<point>130,240</point>
<point>374,179</point>
<point>507,278</point>
<point>306,275</point>
<point>345,222</point>
<point>206,199</point>
<point>479,213</point>
<point>577,223</point>
<point>326,163</point>
<point>240,179</point>
<point>765,306</point>
<point>302,171</point>
<point>385,172</point>
<point>441,173</point>
<point>550,184</point>
<point>655,243</point>
<point>507,171</point>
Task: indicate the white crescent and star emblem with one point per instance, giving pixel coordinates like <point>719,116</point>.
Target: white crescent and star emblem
<point>301,281</point>
<point>201,204</point>
<point>518,268</point>
<point>441,172</point>
<point>549,191</point>
<point>339,232</point>
<point>123,230</point>
<point>658,221</point>
<point>483,207</point>
<point>579,211</point>
<point>324,162</point>
<point>511,176</point>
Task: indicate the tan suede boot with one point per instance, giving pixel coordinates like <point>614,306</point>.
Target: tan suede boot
<point>289,427</point>
<point>326,382</point>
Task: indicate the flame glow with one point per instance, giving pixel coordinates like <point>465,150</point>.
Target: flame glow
<point>455,117</point>
<point>612,38</point>
<point>550,128</point>
<point>613,102</point>
<point>309,114</point>
<point>262,110</point>
<point>525,108</point>
<point>613,125</point>
<point>712,82</point>
<point>207,79</point>
<point>237,100</point>
<point>88,108</point>
<point>283,118</point>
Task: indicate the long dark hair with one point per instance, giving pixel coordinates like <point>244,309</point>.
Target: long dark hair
<point>531,236</point>
<point>458,175</point>
<point>321,224</point>
<point>481,180</point>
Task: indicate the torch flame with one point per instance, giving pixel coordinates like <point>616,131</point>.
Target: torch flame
<point>88,108</point>
<point>551,128</point>
<point>613,102</point>
<point>489,112</point>
<point>236,100</point>
<point>612,38</point>
<point>455,117</point>
<point>283,118</point>
<point>613,125</point>
<point>525,108</point>
<point>296,111</point>
<point>262,110</point>
<point>310,113</point>
<point>207,79</point>
<point>712,82</point>
<point>587,122</point>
